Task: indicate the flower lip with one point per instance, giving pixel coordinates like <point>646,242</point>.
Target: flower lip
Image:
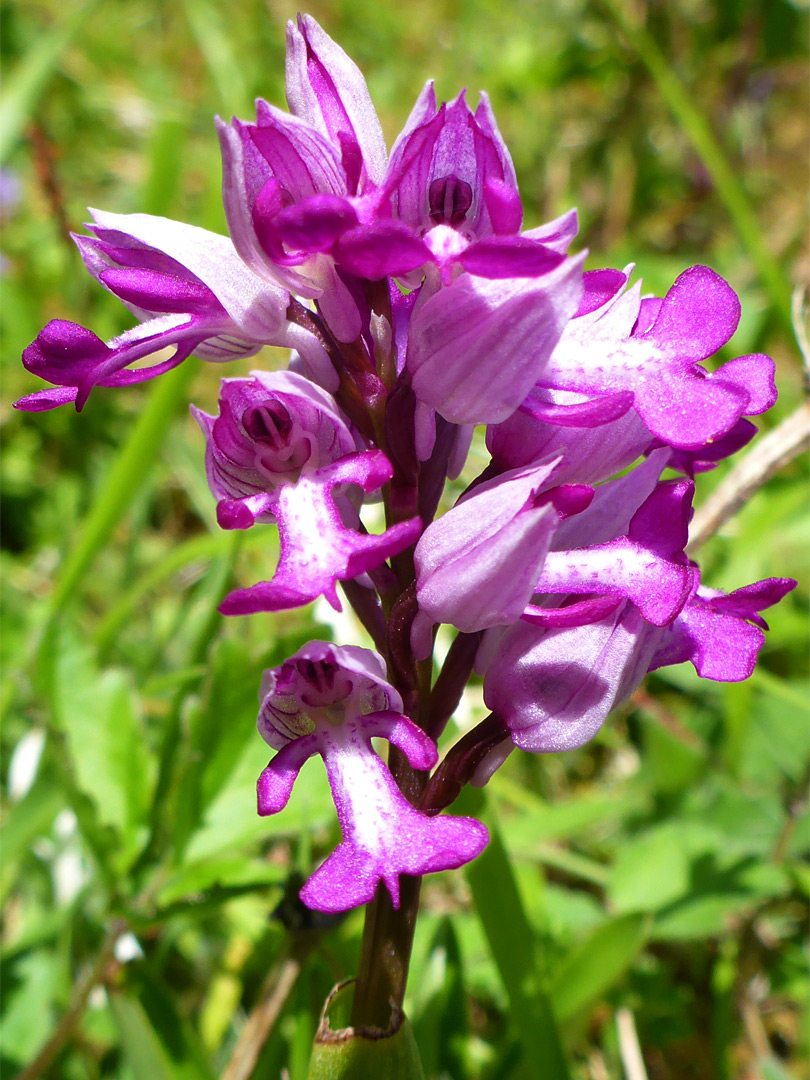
<point>333,700</point>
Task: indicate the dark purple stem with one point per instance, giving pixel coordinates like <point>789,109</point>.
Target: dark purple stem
<point>399,437</point>
<point>449,686</point>
<point>461,762</point>
<point>400,658</point>
<point>355,401</point>
<point>433,472</point>
<point>385,954</point>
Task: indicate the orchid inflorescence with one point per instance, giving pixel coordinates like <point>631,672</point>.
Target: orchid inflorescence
<point>417,309</point>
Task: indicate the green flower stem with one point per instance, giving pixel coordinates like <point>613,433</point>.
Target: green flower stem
<point>385,954</point>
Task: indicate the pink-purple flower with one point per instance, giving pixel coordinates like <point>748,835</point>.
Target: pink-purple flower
<point>553,685</point>
<point>332,701</point>
<point>280,450</point>
<point>189,289</point>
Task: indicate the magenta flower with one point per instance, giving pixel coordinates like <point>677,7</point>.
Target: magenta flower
<point>494,303</point>
<point>312,205</point>
<point>555,688</point>
<point>277,451</point>
<point>467,562</point>
<point>477,347</point>
<point>721,634</point>
<point>647,354</point>
<point>478,565</point>
<point>332,701</point>
<point>589,405</point>
<point>554,685</point>
<point>295,184</point>
<point>190,290</point>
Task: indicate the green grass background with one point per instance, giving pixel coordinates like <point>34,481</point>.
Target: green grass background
<point>659,872</point>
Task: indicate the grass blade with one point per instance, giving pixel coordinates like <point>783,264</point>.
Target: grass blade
<point>596,964</point>
<point>25,85</point>
<point>124,479</point>
<point>211,33</point>
<point>511,941</point>
<point>698,130</point>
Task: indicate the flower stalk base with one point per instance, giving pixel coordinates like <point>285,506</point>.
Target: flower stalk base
<point>357,1053</point>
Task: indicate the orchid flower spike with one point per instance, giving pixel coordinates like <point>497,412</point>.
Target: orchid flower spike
<point>418,307</point>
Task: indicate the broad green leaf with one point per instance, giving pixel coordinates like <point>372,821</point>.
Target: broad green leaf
<point>747,822</point>
<point>598,962</point>
<point>30,985</point>
<point>98,713</point>
<point>650,871</point>
<point>571,912</point>
<point>701,916</point>
<point>673,765</point>
<point>777,740</point>
<point>790,691</point>
<point>717,897</point>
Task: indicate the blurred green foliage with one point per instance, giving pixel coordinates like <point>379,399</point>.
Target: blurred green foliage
<point>658,873</point>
